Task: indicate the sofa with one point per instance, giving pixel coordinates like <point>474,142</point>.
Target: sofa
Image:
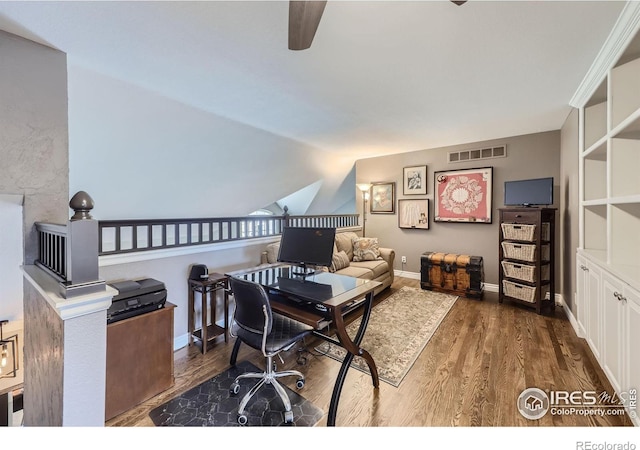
<point>353,256</point>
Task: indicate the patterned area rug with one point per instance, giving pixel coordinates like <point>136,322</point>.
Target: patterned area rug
<point>212,405</point>
<point>399,329</point>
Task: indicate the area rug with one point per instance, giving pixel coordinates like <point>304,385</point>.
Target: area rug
<point>399,329</point>
<point>211,404</point>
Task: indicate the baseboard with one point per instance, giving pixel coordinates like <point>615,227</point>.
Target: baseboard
<point>403,274</point>
<point>180,341</point>
<point>572,319</point>
<point>490,287</point>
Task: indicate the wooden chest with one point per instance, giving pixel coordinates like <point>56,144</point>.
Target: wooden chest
<point>451,273</point>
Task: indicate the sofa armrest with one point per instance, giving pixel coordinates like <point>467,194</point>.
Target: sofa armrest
<point>389,255</point>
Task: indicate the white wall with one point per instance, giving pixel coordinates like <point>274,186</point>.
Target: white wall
<point>11,249</point>
<point>141,155</point>
<point>174,271</point>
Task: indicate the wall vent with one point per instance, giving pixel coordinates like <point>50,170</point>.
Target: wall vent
<point>480,153</point>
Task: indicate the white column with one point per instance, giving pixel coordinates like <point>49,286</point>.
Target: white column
<point>84,348</point>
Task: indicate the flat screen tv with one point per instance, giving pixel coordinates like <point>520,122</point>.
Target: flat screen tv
<point>534,192</point>
<point>307,246</point>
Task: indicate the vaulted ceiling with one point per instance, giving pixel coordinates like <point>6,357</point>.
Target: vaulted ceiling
<point>380,77</point>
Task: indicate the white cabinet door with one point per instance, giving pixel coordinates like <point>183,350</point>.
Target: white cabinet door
<point>594,309</point>
<point>632,355</point>
<point>613,329</point>
<point>582,294</point>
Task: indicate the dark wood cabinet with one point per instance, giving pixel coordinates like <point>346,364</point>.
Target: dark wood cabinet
<point>139,359</point>
<point>527,256</point>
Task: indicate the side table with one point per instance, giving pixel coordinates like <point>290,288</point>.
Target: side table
<point>208,289</point>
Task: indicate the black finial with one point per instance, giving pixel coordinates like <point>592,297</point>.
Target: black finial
<point>82,204</point>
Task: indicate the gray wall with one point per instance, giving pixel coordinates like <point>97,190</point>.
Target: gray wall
<point>33,132</point>
<point>529,156</point>
<point>569,193</point>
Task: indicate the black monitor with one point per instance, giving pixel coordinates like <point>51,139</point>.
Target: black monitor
<point>538,191</point>
<point>307,246</point>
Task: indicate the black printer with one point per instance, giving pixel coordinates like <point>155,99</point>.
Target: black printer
<point>136,297</point>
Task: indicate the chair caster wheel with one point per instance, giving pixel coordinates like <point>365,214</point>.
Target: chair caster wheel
<point>242,419</point>
<point>288,417</point>
<point>300,383</point>
<point>234,389</point>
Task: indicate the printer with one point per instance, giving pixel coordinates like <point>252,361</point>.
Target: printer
<point>136,297</point>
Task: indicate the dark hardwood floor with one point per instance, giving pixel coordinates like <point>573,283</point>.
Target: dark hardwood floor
<point>483,355</point>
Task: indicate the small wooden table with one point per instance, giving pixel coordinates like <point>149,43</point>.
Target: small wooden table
<point>206,333</point>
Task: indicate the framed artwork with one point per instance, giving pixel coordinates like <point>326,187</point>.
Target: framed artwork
<point>413,214</point>
<point>463,195</point>
<point>383,197</point>
<point>414,180</point>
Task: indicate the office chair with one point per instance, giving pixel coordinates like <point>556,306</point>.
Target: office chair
<point>257,326</point>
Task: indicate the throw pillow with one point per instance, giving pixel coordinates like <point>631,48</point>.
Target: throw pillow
<point>339,261</point>
<point>365,249</point>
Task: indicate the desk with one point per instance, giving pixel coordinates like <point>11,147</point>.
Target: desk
<point>336,295</point>
<point>208,288</point>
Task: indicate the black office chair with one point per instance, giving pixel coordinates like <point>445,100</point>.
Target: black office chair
<point>257,326</point>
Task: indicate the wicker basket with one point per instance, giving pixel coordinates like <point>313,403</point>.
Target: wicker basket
<point>522,292</point>
<point>524,252</point>
<point>524,272</point>
<point>517,231</point>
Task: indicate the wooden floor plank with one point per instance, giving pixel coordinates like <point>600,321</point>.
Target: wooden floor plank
<point>483,355</point>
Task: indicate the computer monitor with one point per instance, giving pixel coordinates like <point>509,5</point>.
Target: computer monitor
<point>307,246</point>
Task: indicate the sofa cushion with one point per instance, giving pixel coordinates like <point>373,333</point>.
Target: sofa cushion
<point>365,249</point>
<point>339,261</point>
<point>378,267</point>
<point>356,272</point>
<point>344,242</point>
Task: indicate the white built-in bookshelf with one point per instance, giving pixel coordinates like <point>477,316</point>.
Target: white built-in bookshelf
<point>611,169</point>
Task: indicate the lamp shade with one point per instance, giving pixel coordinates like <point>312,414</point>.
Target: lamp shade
<point>364,187</point>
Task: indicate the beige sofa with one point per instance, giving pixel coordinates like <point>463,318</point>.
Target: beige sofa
<point>378,269</point>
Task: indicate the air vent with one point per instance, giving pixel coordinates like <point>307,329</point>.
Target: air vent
<point>480,153</point>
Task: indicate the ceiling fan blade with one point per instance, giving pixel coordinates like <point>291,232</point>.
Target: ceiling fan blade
<point>304,17</point>
<point>459,2</point>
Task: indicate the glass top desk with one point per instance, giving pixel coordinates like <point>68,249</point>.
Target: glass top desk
<point>320,300</point>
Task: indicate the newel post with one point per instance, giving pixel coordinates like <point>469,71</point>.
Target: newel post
<point>82,248</point>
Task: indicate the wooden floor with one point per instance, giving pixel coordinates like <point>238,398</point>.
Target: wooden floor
<point>483,355</point>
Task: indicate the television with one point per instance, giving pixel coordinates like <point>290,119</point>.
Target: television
<point>306,246</point>
<point>533,192</point>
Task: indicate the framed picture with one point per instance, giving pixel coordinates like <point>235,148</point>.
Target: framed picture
<point>413,214</point>
<point>383,197</point>
<point>414,180</point>
<point>463,195</point>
